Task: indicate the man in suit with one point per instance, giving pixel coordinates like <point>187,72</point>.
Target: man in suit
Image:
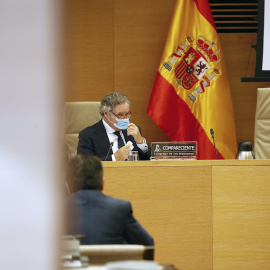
<point>108,139</point>
<point>101,218</point>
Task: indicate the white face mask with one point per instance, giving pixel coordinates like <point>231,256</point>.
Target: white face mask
<point>121,123</point>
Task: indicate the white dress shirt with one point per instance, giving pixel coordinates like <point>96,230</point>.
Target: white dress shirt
<point>114,138</point>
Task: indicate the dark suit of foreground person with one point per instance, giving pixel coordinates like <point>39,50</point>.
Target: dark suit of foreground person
<point>96,139</point>
<point>101,218</point>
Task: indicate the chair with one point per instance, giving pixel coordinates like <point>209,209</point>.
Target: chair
<point>77,116</point>
<point>102,254</point>
<point>262,124</point>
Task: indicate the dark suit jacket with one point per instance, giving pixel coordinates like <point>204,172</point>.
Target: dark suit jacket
<point>93,140</point>
<point>104,220</point>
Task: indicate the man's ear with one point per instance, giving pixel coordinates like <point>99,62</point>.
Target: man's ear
<point>68,188</point>
<point>106,113</point>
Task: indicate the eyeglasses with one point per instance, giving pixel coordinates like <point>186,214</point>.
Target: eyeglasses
<point>122,116</point>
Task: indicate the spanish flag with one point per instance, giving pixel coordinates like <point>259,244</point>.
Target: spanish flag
<point>191,94</point>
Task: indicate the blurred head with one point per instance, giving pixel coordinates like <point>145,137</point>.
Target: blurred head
<point>84,172</point>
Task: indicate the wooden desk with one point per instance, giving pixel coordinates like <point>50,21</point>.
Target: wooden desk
<point>202,214</point>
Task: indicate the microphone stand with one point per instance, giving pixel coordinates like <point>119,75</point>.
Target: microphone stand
<point>212,133</point>
<point>111,145</point>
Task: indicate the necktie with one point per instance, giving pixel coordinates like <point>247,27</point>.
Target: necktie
<point>120,140</point>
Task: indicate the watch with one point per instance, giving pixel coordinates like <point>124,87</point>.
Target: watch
<point>144,140</point>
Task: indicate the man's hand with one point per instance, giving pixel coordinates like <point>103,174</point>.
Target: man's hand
<point>135,132</point>
<point>122,153</point>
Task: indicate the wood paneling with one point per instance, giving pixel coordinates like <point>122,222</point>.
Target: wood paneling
<point>89,43</point>
<point>140,32</point>
<point>202,214</point>
<point>165,202</point>
<point>240,60</point>
<point>116,45</point>
<point>241,217</point>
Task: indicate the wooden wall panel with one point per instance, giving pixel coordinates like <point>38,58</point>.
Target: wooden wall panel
<point>117,45</point>
<point>209,215</point>
<point>165,202</point>
<point>241,217</point>
<point>140,32</point>
<point>88,42</point>
<point>240,60</point>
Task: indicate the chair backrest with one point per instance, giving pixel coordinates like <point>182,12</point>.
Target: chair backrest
<point>79,115</point>
<point>262,124</point>
<point>102,254</point>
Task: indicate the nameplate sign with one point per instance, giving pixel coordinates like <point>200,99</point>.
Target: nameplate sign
<point>173,150</point>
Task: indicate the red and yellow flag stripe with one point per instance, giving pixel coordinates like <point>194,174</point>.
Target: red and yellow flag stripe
<point>171,106</point>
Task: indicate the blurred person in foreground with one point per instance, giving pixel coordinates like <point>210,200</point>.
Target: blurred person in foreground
<point>108,139</point>
<point>101,218</point>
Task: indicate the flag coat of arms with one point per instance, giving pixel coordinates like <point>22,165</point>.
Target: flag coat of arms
<point>191,93</point>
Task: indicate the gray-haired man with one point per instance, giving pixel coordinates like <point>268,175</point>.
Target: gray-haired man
<point>108,138</point>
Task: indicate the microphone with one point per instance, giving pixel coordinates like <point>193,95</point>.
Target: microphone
<point>212,133</point>
<point>111,145</point>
